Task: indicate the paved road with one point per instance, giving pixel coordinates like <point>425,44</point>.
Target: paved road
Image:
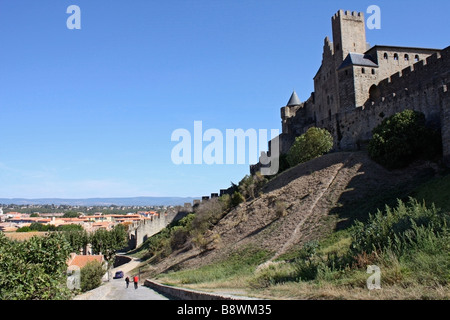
<point>116,289</point>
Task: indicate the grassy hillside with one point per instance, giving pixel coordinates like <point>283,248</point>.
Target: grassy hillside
<point>301,239</point>
<point>435,191</point>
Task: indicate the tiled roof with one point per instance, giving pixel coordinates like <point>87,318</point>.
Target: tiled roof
<point>358,59</point>
<point>81,261</point>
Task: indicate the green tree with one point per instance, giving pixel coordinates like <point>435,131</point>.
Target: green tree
<point>78,239</point>
<point>71,214</point>
<point>34,269</point>
<point>24,229</point>
<point>119,236</point>
<point>108,242</point>
<point>69,227</point>
<point>314,143</point>
<point>403,138</point>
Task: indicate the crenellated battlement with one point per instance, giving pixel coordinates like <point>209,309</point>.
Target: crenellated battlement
<point>348,14</point>
<point>434,71</point>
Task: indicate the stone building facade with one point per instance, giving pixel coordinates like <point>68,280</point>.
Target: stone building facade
<point>357,86</point>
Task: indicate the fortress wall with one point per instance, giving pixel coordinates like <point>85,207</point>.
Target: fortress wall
<point>356,126</point>
<point>431,72</point>
<point>148,228</point>
<point>421,88</point>
<point>390,66</point>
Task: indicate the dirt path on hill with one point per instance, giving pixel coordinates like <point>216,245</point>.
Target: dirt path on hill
<point>294,238</point>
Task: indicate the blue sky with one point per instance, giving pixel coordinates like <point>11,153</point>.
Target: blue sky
<point>90,112</point>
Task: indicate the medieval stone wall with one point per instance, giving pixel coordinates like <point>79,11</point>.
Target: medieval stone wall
<point>352,100</point>
<point>143,230</point>
<point>422,87</point>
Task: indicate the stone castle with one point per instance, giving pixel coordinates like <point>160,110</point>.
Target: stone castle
<point>357,86</point>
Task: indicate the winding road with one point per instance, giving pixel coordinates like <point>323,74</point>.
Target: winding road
<point>116,289</point>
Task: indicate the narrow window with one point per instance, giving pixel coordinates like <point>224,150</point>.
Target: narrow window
<point>406,57</point>
<point>373,71</point>
<point>363,70</point>
<point>395,56</point>
<point>416,58</point>
<point>385,56</point>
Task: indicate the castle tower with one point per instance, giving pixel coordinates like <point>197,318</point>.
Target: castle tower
<point>349,34</point>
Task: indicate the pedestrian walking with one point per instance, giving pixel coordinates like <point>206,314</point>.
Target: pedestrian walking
<point>127,280</point>
<point>136,280</point>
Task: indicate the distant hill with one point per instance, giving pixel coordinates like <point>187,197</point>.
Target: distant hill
<point>134,201</point>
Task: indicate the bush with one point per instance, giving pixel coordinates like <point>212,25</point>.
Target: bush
<point>24,229</point>
<point>403,138</point>
<point>179,237</point>
<point>207,214</point>
<point>314,143</point>
<point>284,163</point>
<point>225,200</point>
<point>91,275</point>
<point>250,186</point>
<point>409,226</point>
<point>237,199</point>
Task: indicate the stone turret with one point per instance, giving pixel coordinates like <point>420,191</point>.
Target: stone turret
<point>294,100</point>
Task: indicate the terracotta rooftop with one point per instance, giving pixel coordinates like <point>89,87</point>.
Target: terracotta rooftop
<point>81,261</point>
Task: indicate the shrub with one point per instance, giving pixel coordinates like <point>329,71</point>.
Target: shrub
<point>403,138</point>
<point>280,209</point>
<point>179,237</point>
<point>24,229</point>
<point>91,275</point>
<point>284,163</point>
<point>207,214</point>
<point>237,199</point>
<point>314,143</point>
<point>409,226</point>
<point>250,186</point>
<point>225,200</point>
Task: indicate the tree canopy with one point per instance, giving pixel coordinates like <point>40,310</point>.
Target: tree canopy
<point>403,138</point>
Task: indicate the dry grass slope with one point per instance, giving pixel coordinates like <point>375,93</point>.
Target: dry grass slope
<point>305,203</point>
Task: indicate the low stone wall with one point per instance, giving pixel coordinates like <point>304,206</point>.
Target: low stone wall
<point>121,260</point>
<point>188,294</point>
